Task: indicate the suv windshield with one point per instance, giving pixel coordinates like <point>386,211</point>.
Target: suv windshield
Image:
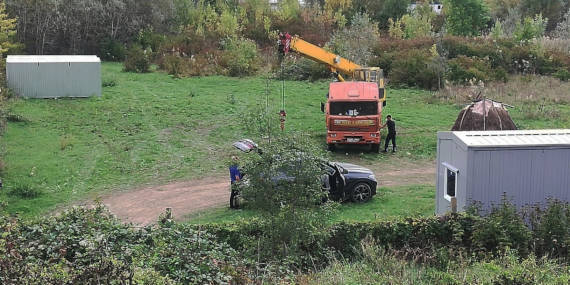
<point>354,108</point>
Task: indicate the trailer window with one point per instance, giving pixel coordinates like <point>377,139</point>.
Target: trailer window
<point>450,182</point>
<point>354,108</point>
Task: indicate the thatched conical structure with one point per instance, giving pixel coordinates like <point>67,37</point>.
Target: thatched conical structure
<point>484,115</point>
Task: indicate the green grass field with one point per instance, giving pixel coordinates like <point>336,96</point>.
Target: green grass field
<point>417,200</point>
<point>152,129</point>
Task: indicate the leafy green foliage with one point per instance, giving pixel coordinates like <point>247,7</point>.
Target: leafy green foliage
<point>137,60</point>
<point>284,183</point>
<point>189,256</point>
<point>465,17</point>
<point>468,234</point>
<point>497,31</point>
<point>25,190</point>
<point>91,246</point>
<point>112,50</point>
<point>355,43</point>
<point>551,229</point>
<point>463,69</point>
<point>392,9</point>
<point>380,266</point>
<point>7,30</point>
<point>413,69</point>
<point>530,28</point>
<point>240,56</point>
<point>301,68</point>
<point>551,9</point>
<point>562,74</point>
<point>414,25</point>
<point>502,229</point>
<point>174,65</point>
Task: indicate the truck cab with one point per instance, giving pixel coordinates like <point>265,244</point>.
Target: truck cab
<point>353,114</point>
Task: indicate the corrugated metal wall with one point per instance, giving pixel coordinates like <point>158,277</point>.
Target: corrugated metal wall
<point>526,176</point>
<point>54,79</point>
<point>451,153</point>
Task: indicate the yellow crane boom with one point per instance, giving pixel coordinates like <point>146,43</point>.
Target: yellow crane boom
<point>336,63</point>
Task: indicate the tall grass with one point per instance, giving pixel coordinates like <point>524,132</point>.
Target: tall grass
<point>532,97</point>
<point>380,266</point>
<point>556,44</point>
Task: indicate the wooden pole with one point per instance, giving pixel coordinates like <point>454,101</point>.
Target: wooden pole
<point>484,113</point>
<point>453,205</point>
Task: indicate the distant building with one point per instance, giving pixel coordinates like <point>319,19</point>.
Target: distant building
<point>436,7</point>
<point>526,166</point>
<point>53,76</point>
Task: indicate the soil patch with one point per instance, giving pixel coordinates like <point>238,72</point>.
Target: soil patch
<point>143,206</point>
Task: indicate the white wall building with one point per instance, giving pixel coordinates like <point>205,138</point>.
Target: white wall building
<point>436,7</point>
<point>50,76</point>
<point>528,166</point>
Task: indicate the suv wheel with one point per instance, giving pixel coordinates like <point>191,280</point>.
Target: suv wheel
<point>362,192</point>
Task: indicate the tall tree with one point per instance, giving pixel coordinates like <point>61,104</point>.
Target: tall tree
<point>80,26</point>
<point>466,17</point>
<point>393,9</point>
<point>499,9</point>
<point>551,9</point>
<point>7,30</point>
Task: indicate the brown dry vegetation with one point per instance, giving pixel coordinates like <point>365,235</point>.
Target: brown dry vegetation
<point>561,45</point>
<point>518,89</point>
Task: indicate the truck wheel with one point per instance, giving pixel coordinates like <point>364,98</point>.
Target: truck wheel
<point>331,146</point>
<point>362,192</point>
<point>376,147</point>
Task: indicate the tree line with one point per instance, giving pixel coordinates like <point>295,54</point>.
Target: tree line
<point>83,26</point>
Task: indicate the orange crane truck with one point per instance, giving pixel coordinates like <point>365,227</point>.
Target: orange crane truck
<point>353,109</point>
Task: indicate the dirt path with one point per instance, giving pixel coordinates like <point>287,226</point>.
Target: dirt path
<point>401,172</point>
<point>143,206</point>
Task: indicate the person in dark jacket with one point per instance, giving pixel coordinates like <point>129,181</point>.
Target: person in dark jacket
<point>391,133</point>
<point>235,176</point>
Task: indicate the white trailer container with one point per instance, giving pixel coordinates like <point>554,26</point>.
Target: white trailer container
<point>50,76</point>
<point>482,166</point>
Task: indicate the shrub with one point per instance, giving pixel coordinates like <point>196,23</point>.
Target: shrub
<point>137,60</point>
<point>90,246</point>
<point>112,50</point>
<point>174,65</point>
<point>15,118</point>
<point>464,69</point>
<point>25,190</point>
<point>356,42</point>
<point>530,28</point>
<point>551,229</point>
<point>300,68</point>
<point>466,17</point>
<point>192,257</point>
<point>109,83</point>
<point>562,74</point>
<point>284,185</point>
<point>412,68</point>
<point>149,40</point>
<point>240,56</point>
<point>504,228</point>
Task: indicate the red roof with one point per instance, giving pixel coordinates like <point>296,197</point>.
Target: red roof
<point>353,91</point>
